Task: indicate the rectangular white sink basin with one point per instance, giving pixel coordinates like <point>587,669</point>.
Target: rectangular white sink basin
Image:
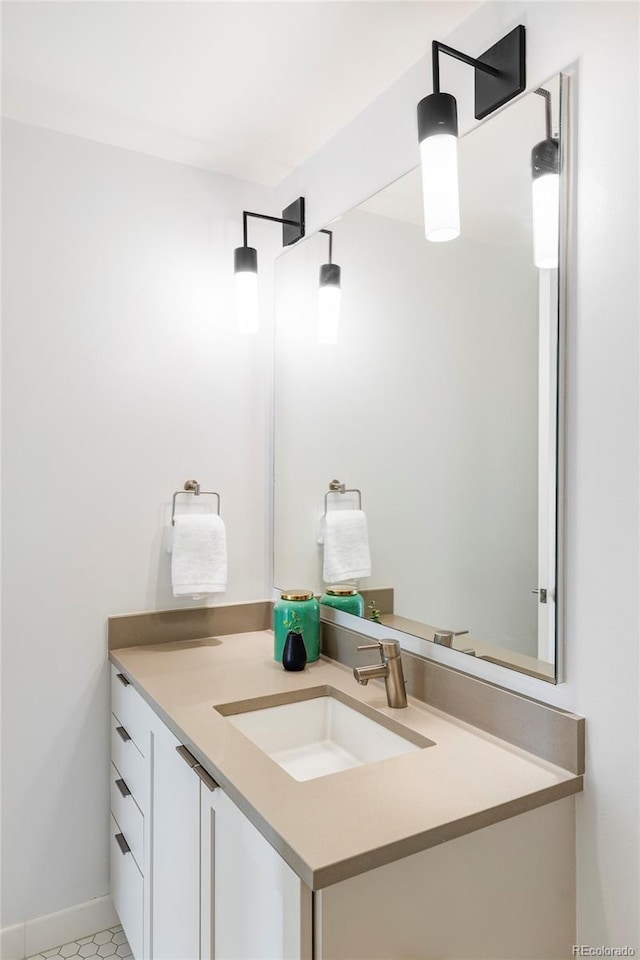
<point>320,732</point>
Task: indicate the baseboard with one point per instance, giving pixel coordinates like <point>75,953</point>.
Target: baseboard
<point>45,933</point>
<point>12,942</point>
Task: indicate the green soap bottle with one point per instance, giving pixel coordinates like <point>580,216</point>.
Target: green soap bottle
<point>306,606</point>
<point>344,597</point>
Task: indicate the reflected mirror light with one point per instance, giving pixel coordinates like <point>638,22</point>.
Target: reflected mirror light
<point>546,196</point>
<point>329,296</point>
<point>328,314</point>
<point>545,173</point>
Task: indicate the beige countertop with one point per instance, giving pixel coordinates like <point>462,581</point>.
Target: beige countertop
<point>337,826</point>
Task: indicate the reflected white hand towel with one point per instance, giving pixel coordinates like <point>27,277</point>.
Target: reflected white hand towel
<point>199,557</point>
<point>346,546</point>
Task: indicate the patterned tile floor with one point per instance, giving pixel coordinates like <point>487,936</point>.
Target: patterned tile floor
<point>107,945</point>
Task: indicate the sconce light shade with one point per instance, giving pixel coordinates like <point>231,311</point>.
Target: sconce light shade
<point>545,171</point>
<point>438,137</point>
<point>499,76</point>
<point>245,268</point>
<point>329,296</point>
<point>245,261</point>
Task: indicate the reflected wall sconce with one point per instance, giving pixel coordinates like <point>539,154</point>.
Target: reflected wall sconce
<point>329,296</point>
<point>545,187</point>
<point>499,76</point>
<point>245,262</point>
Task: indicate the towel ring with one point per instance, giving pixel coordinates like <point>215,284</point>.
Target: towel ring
<point>336,487</point>
<point>192,487</point>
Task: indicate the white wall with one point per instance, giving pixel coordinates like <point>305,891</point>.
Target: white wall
<point>602,575</point>
<point>123,377</point>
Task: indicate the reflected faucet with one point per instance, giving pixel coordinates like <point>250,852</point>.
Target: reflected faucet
<point>390,667</point>
<point>445,639</point>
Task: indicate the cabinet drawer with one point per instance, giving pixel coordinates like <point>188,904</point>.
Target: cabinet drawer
<point>128,816</point>
<point>131,710</point>
<point>129,762</point>
<point>127,892</point>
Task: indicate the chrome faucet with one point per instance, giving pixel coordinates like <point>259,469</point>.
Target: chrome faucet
<point>390,667</point>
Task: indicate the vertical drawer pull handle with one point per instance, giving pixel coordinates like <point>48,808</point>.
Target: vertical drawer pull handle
<point>122,843</point>
<point>123,680</point>
<point>188,757</point>
<point>123,788</point>
<point>199,770</point>
<point>122,733</point>
<point>206,778</point>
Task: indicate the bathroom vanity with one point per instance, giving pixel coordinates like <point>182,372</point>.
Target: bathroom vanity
<point>455,844</point>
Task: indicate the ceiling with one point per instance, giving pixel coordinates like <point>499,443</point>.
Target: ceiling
<point>242,88</point>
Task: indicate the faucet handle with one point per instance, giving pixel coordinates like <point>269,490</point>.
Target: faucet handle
<point>376,645</point>
<point>387,648</point>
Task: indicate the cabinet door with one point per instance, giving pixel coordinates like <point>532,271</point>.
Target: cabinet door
<point>175,852</point>
<point>253,904</point>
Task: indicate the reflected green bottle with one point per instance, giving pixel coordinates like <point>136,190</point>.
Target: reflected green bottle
<point>344,597</point>
<point>306,606</point>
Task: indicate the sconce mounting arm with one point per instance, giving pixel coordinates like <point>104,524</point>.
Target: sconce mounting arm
<point>438,48</point>
<point>547,108</point>
<point>292,220</point>
<point>499,72</point>
<point>329,233</point>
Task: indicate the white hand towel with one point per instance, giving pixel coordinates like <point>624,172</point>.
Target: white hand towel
<point>199,557</point>
<point>346,546</point>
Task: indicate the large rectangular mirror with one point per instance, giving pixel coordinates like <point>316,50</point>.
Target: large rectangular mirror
<point>439,403</point>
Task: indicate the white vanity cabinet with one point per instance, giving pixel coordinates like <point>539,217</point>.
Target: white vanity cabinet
<point>253,904</point>
<point>131,721</point>
<point>481,895</point>
<point>194,879</point>
<point>191,877</point>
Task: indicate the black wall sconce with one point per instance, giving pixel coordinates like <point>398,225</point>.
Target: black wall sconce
<point>545,186</point>
<point>499,76</point>
<point>245,261</point>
